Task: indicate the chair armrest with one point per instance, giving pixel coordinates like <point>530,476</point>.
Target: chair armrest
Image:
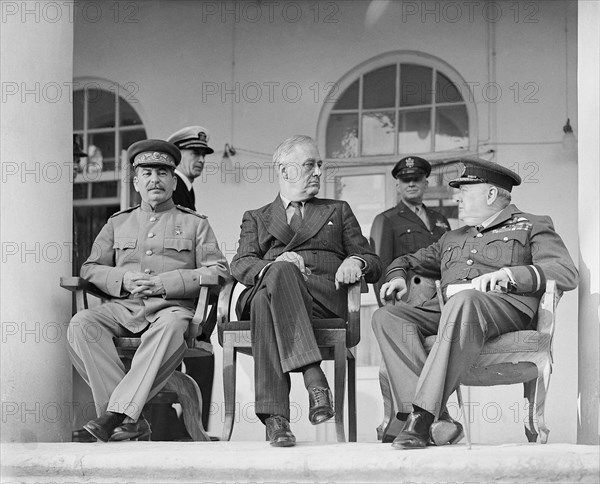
<point>74,284</point>
<point>353,329</point>
<point>208,283</point>
<point>546,310</point>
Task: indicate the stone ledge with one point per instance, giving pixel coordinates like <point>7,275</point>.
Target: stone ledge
<point>256,462</point>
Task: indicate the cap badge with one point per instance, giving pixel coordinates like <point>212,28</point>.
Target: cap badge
<point>410,163</point>
<point>154,156</point>
<point>202,136</point>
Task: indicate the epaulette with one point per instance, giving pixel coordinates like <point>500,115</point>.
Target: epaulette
<point>185,209</point>
<point>127,210</point>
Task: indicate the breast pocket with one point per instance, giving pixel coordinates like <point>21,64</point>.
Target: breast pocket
<point>179,244</point>
<point>510,248</point>
<point>126,249</point>
<point>410,240</point>
<point>450,255</point>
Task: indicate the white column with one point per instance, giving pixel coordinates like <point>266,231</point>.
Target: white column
<point>588,428</point>
<point>36,200</point>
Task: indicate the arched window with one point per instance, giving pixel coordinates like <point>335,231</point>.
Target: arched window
<point>105,117</point>
<point>398,104</point>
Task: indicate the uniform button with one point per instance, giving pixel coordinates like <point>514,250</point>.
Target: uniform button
<point>408,231</point>
<point>148,252</point>
<point>469,262</point>
<point>147,271</point>
<point>152,219</point>
<point>479,235</point>
<point>473,251</point>
<point>505,239</point>
<point>151,234</point>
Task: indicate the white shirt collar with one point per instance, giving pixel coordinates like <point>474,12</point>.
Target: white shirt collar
<point>185,179</point>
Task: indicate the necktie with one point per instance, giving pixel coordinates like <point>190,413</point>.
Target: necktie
<point>296,220</point>
<point>422,215</point>
<point>193,195</point>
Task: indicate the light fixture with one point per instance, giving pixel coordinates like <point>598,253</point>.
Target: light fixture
<point>569,142</point>
<point>228,167</point>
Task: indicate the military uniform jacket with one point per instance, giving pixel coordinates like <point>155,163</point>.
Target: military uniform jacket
<point>182,196</point>
<point>400,231</point>
<point>172,242</point>
<point>329,234</point>
<point>527,244</point>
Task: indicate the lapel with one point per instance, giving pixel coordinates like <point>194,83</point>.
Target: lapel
<point>275,221</point>
<point>316,213</point>
<point>407,213</point>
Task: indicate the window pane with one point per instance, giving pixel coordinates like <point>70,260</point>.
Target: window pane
<point>105,189</point>
<point>379,88</point>
<point>414,134</point>
<point>446,91</point>
<point>128,115</point>
<point>378,131</point>
<point>101,108</point>
<point>101,149</point>
<point>416,85</point>
<point>349,98</point>
<point>80,191</point>
<point>130,137</point>
<point>78,101</point>
<point>342,136</point>
<point>451,128</point>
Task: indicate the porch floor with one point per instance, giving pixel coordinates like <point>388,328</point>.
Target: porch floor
<point>308,462</point>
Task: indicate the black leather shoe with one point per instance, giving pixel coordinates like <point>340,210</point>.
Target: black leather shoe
<point>320,406</point>
<point>415,432</point>
<point>391,431</point>
<point>102,427</point>
<point>82,435</point>
<point>446,431</point>
<point>279,432</point>
<point>130,430</point>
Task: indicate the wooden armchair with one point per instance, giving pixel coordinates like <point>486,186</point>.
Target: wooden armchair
<point>519,357</point>
<point>335,337</point>
<point>180,388</point>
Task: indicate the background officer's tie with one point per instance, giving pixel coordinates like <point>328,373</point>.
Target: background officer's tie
<point>422,215</point>
<point>296,220</point>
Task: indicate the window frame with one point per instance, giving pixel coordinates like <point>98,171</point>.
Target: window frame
<point>396,57</point>
<point>122,172</point>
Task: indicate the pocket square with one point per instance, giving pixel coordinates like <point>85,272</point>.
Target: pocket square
<point>330,223</point>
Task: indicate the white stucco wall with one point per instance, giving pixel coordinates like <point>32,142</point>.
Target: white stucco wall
<point>178,57</point>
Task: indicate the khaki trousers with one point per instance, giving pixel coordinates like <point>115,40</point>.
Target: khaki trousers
<point>93,353</point>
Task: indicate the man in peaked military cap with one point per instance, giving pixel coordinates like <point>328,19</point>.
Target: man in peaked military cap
<point>404,229</point>
<point>492,271</point>
<point>149,259</point>
<point>192,141</point>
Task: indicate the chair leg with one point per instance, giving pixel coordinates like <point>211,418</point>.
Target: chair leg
<point>190,399</point>
<point>466,417</point>
<point>388,404</point>
<point>351,397</point>
<point>229,377</point>
<point>540,404</point>
<point>529,389</point>
<point>339,351</point>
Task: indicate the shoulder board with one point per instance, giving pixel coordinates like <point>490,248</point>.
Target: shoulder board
<point>127,210</point>
<point>187,210</point>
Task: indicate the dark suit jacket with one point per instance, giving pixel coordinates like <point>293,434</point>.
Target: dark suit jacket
<point>527,244</point>
<point>329,234</point>
<point>182,196</point>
